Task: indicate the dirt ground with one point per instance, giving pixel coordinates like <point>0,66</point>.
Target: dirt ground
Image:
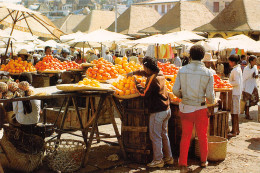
<point>243,154</point>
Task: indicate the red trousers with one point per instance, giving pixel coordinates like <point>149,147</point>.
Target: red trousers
<point>201,121</point>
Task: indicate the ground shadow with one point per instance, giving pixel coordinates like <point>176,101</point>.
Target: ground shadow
<point>255,144</point>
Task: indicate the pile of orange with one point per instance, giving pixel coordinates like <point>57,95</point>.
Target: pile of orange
<point>219,83</point>
<point>169,83</point>
<point>122,66</point>
<point>71,65</point>
<point>18,66</point>
<point>167,68</point>
<point>89,82</point>
<point>50,63</point>
<point>126,86</point>
<point>103,70</point>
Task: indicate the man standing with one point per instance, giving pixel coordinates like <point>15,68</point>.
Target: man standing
<point>64,55</point>
<point>194,84</point>
<point>108,57</point>
<point>177,60</point>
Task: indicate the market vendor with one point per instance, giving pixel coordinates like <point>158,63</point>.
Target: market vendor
<point>92,56</point>
<point>209,63</point>
<point>194,85</point>
<point>236,81</point>
<point>155,93</point>
<point>79,58</point>
<point>24,55</point>
<point>250,91</point>
<point>108,57</point>
<point>64,55</point>
<point>27,113</point>
<point>177,60</point>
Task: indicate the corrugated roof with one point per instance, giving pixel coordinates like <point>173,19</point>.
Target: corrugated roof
<point>184,16</point>
<point>96,19</point>
<point>240,15</point>
<point>134,19</point>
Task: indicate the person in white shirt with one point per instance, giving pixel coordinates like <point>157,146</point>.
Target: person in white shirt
<point>236,81</point>
<point>134,58</point>
<point>108,57</point>
<point>177,60</point>
<point>250,91</point>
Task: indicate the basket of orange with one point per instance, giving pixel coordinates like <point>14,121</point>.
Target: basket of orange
<point>125,87</point>
<point>102,71</point>
<point>16,67</point>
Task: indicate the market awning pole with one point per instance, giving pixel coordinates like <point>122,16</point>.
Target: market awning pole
<point>14,22</point>
<point>115,15</point>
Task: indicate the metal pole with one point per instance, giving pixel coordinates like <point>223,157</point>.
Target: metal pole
<point>115,15</point>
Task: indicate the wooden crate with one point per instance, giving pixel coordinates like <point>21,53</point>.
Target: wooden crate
<point>218,125</point>
<point>135,130</point>
<point>71,121</point>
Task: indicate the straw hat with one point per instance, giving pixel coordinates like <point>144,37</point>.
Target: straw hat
<point>23,52</point>
<point>208,58</point>
<point>185,54</point>
<point>174,51</point>
<point>90,51</point>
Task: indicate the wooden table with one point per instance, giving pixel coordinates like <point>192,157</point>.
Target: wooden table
<point>105,98</point>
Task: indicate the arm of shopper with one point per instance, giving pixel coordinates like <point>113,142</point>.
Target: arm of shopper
<point>150,87</point>
<point>210,91</point>
<point>176,89</point>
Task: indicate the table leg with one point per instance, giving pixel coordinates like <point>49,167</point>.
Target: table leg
<point>118,108</point>
<point>64,101</point>
<point>93,113</point>
<point>97,114</point>
<point>112,117</point>
<point>63,118</point>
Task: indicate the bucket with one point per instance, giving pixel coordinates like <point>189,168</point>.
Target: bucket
<point>217,148</point>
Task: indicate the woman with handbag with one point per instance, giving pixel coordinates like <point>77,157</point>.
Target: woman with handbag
<point>250,91</point>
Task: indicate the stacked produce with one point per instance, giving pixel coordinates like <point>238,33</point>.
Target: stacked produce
<point>219,83</point>
<point>12,89</point>
<point>167,68</point>
<point>122,66</point>
<point>89,82</point>
<point>126,85</point>
<point>103,70</point>
<point>169,83</point>
<point>51,63</point>
<point>18,66</point>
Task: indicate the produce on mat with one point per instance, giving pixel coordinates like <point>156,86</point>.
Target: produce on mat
<point>103,70</point>
<point>167,68</point>
<point>219,83</point>
<point>12,89</point>
<point>126,85</point>
<point>122,66</point>
<point>89,82</point>
<point>51,63</point>
<point>18,66</point>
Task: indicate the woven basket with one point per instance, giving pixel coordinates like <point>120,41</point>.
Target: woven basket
<point>217,147</point>
<point>67,157</point>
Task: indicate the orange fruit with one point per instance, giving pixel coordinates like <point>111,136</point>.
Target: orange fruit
<point>127,92</point>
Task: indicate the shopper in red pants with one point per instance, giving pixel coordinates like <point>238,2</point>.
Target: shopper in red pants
<point>194,84</point>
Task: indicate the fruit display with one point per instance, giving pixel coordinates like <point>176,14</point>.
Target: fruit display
<point>122,66</point>
<point>18,66</point>
<point>49,63</point>
<point>103,70</point>
<point>71,65</point>
<point>219,83</point>
<point>167,68</point>
<point>89,82</point>
<point>169,84</point>
<point>12,89</point>
<point>126,85</point>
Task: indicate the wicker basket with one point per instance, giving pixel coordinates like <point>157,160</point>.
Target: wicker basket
<point>217,147</point>
<point>67,157</point>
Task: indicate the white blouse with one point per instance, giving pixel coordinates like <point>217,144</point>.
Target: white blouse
<point>236,80</point>
<point>249,83</point>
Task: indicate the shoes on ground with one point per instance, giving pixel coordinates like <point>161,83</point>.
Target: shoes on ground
<point>156,164</point>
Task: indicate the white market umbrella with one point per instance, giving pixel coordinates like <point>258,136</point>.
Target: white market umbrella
<point>218,43</point>
<point>181,36</point>
<point>241,37</point>
<point>23,19</point>
<point>154,39</point>
<point>207,46</point>
<point>72,36</point>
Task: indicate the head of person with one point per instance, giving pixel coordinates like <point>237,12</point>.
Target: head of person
<point>47,50</point>
<point>23,54</point>
<point>133,54</point>
<point>117,54</point>
<point>65,53</point>
<point>175,53</point>
<point>72,49</point>
<point>233,60</point>
<point>217,53</point>
<point>243,57</point>
<point>150,65</point>
<point>197,52</point>
<point>107,52</point>
<point>252,60</point>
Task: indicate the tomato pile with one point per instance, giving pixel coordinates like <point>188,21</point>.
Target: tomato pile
<point>219,83</point>
<point>167,68</point>
<point>103,70</point>
<point>51,63</point>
